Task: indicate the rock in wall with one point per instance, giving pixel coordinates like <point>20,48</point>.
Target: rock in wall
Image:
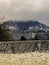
<point>24,46</point>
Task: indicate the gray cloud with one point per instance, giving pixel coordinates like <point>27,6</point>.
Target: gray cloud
<point>26,10</point>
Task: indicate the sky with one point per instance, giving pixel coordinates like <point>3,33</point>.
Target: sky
<point>25,10</point>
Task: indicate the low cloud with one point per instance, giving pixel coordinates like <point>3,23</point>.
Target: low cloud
<point>26,10</point>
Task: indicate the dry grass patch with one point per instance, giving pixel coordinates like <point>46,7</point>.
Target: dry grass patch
<point>25,59</point>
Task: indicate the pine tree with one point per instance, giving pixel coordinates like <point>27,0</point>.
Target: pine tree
<point>4,34</point>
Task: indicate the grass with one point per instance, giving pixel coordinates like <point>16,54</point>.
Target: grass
<point>25,59</point>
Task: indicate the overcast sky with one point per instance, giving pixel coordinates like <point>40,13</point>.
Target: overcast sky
<point>25,10</point>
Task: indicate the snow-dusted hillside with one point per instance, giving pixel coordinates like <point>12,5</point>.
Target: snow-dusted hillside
<point>24,28</point>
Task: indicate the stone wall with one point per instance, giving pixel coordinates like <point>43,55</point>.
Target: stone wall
<point>24,46</point>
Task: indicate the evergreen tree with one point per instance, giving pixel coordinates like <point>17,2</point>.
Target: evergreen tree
<point>36,37</point>
<point>4,34</point>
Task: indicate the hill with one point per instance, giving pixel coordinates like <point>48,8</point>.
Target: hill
<point>13,27</point>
